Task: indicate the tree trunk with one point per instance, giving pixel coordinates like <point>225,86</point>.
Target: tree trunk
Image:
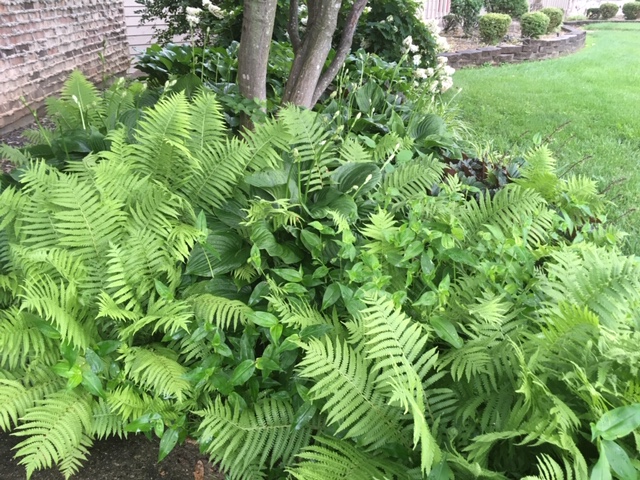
<point>253,53</point>
<point>307,81</point>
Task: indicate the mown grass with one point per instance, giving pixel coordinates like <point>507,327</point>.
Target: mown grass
<point>594,93</point>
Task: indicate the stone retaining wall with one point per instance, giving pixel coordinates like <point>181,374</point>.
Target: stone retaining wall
<point>571,40</point>
<point>42,41</point>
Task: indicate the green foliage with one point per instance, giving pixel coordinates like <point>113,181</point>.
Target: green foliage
<point>513,8</point>
<point>534,24</point>
<point>631,10</point>
<point>493,27</point>
<point>593,13</point>
<point>608,10</point>
<point>468,11</point>
<point>309,305</point>
<point>555,18</point>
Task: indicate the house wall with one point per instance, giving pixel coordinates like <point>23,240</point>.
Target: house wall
<point>42,41</point>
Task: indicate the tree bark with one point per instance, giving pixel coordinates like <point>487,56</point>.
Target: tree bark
<point>312,54</point>
<point>253,53</point>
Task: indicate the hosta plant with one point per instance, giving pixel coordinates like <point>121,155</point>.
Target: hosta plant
<point>306,307</point>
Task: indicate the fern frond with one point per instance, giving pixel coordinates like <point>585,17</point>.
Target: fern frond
<point>345,381</point>
<point>21,340</point>
<point>169,317</point>
<point>157,371</point>
<point>128,403</point>
<point>333,459</point>
<point>539,173</point>
<point>206,122</point>
<point>412,179</point>
<point>514,211</point>
<point>222,312</point>
<point>296,312</point>
<point>262,436</point>
<point>16,397</point>
<point>266,144</point>
<point>57,430</point>
<point>106,422</point>
<point>381,226</point>
<point>603,281</point>
<point>159,151</point>
<point>352,151</point>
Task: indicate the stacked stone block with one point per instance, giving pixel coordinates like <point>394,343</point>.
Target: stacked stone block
<point>42,41</point>
<point>570,41</point>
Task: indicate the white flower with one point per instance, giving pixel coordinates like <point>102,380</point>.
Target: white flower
<point>420,73</point>
<point>390,19</point>
<point>407,42</point>
<point>446,84</point>
<point>449,70</point>
<point>430,72</point>
<point>367,10</point>
<point>215,11</point>
<point>193,16</point>
<point>414,48</point>
<point>442,44</point>
<point>206,3</point>
<point>443,60</point>
<point>194,11</point>
<point>417,59</point>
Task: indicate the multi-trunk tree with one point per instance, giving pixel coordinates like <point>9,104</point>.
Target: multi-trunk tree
<point>309,76</point>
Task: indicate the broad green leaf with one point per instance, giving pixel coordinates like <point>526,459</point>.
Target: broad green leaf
<point>618,422</point>
<point>304,415</point>
<point>427,299</point>
<point>167,442</point>
<point>288,274</point>
<point>601,470</point>
<point>331,295</point>
<point>263,319</point>
<point>619,460</point>
<point>446,331</point>
<point>356,177</point>
<point>92,383</point>
<point>242,372</point>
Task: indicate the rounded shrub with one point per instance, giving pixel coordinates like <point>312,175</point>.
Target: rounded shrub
<point>513,8</point>
<point>494,26</point>
<point>555,17</point>
<point>608,10</point>
<point>631,10</point>
<point>534,24</point>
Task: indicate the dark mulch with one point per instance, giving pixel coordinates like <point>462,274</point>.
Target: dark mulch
<point>114,459</point>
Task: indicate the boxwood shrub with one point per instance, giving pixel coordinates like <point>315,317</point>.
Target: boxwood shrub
<point>513,8</point>
<point>534,24</point>
<point>555,17</point>
<point>608,10</point>
<point>494,26</point>
<point>631,10</point>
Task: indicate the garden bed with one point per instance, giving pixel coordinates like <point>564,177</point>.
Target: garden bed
<point>476,54</point>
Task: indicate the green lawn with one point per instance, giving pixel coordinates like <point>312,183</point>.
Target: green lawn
<point>597,90</point>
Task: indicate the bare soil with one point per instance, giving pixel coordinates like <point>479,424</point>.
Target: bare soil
<point>118,459</point>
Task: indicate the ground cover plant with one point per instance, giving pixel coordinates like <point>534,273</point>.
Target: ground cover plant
<point>601,131</point>
<point>312,302</point>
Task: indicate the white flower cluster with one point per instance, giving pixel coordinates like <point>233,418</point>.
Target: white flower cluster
<point>441,43</point>
<point>214,10</point>
<point>193,16</point>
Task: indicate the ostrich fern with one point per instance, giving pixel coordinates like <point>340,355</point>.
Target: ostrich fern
<point>304,306</point>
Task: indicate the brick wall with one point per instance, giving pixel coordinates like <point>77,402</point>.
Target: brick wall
<point>42,41</point>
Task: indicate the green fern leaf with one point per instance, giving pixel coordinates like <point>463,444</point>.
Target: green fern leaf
<point>262,436</point>
<point>57,430</point>
<point>156,371</point>
<point>224,313</point>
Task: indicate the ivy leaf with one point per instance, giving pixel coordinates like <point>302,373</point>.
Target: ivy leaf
<point>618,422</point>
<point>167,442</point>
<point>242,372</point>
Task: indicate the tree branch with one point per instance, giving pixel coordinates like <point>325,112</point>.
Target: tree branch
<point>292,26</point>
<point>343,49</point>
